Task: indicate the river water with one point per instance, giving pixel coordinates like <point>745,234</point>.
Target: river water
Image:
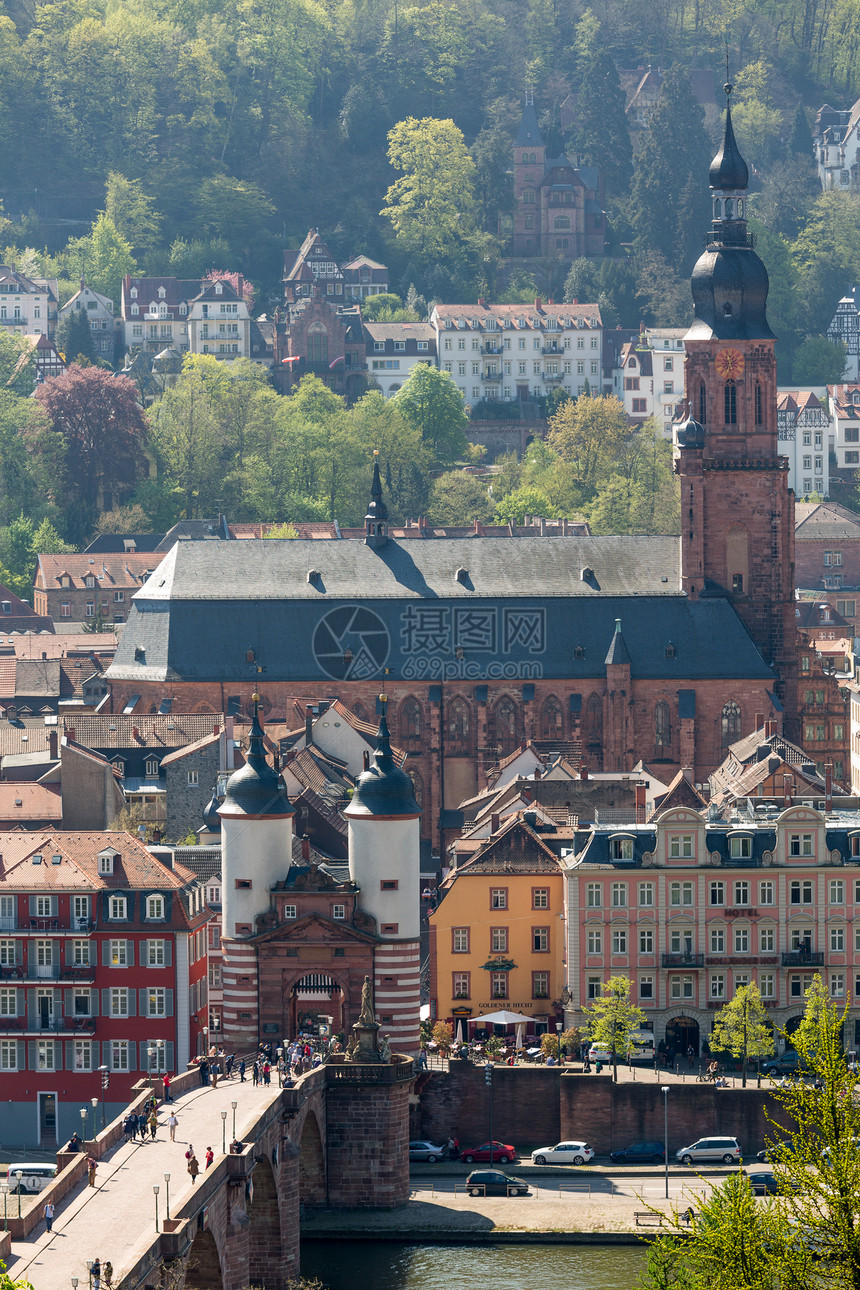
<point>343,1265</point>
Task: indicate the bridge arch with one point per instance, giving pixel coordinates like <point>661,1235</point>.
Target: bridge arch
<point>264,1227</point>
<point>203,1269</point>
<point>312,1179</point>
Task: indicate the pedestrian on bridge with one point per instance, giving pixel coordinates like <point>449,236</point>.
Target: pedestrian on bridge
<point>92,1166</point>
<point>172,1122</point>
<point>166,1083</point>
<point>96,1274</point>
<point>242,1071</point>
<point>48,1215</point>
<point>210,1156</point>
<point>153,1124</point>
<point>193,1168</point>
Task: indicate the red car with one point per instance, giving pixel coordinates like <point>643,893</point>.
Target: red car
<point>489,1152</point>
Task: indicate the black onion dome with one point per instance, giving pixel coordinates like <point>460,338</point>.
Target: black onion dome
<point>383,789</point>
<point>728,168</point>
<point>256,788</point>
<point>211,818</point>
<point>691,434</point>
<point>729,286</point>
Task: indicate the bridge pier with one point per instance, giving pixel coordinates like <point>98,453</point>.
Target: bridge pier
<point>367,1134</point>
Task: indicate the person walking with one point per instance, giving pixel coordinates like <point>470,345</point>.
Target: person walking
<point>229,1065</point>
<point>204,1073</point>
<point>255,1074</point>
<point>166,1083</point>
<point>141,1126</point>
<point>190,1152</point>
<point>242,1071</point>
<point>172,1122</point>
<point>193,1168</point>
<point>92,1166</point>
<point>210,1156</point>
<point>153,1124</point>
<point>96,1274</point>
<point>48,1215</point>
<point>107,1272</point>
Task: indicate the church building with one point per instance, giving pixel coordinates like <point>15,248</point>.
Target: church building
<point>625,648</point>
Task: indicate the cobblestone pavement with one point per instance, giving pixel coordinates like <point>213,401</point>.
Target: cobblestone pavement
<point>110,1219</point>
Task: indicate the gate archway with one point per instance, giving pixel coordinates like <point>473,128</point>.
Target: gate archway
<point>315,999</point>
<point>682,1033</point>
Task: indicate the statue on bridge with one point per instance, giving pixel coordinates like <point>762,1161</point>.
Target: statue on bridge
<point>364,1046</point>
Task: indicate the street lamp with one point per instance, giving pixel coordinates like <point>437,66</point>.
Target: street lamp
<point>18,1177</point>
<point>155,1194</point>
<point>224,1133</point>
<point>85,1110</point>
<point>558,1027</point>
<point>105,1074</point>
<point>665,1091</point>
<point>167,1196</point>
<point>234,1105</point>
<point>488,1080</point>
<point>94,1102</point>
<point>4,1187</point>
<point>151,1053</point>
<point>280,1053</point>
<point>74,1281</point>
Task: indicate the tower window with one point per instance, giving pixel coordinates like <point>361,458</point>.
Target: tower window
<point>703,402</point>
<point>730,395</point>
<point>759,407</point>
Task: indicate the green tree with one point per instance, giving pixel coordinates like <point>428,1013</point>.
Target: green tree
<point>234,210</point>
<point>523,501</point>
<point>75,338</point>
<point>742,1028</point>
<point>430,402</point>
<point>669,210</point>
<point>602,137</point>
<point>458,498</point>
<point>387,307</point>
<point>103,257</point>
<point>7,1283</point>
<point>819,361</point>
<point>184,431</point>
<point>811,1237</point>
<point>432,206</point>
<point>826,253</point>
<point>587,433</point>
<point>132,213</point>
<point>612,1018</point>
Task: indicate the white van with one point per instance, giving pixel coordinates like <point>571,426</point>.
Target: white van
<point>34,1177</point>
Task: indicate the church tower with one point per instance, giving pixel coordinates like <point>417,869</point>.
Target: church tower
<point>529,163</point>
<point>256,852</point>
<point>737,514</point>
<point>385,863</point>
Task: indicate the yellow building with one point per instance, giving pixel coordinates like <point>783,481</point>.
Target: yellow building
<point>497,935</point>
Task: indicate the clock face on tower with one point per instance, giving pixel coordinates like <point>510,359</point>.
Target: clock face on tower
<point>730,364</point>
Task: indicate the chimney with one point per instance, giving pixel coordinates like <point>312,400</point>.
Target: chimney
<point>786,790</point>
<point>828,787</point>
<point>309,725</point>
<point>365,760</point>
<point>70,735</point>
<point>759,720</point>
<point>135,733</point>
<point>306,849</point>
<point>52,745</point>
<point>641,790</point>
<point>482,302</point>
<point>229,759</point>
<point>216,729</point>
<point>687,772</point>
<point>583,771</point>
<point>537,772</point>
<point>538,303</point>
<point>276,763</point>
<point>494,822</point>
<point>770,728</point>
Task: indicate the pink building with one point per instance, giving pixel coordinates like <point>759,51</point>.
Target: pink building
<point>691,908</point>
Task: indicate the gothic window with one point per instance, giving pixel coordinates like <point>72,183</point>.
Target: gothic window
<point>759,409</point>
<point>459,728</point>
<point>317,344</point>
<point>359,710</point>
<point>505,725</point>
<point>417,786</point>
<point>730,724</point>
<point>529,195</point>
<point>703,403</point>
<point>730,395</point>
<point>551,723</point>
<point>410,720</point>
<point>662,727</point>
<point>594,721</point>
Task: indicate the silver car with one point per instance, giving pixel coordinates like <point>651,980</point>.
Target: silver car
<point>715,1150</point>
<point>425,1151</point>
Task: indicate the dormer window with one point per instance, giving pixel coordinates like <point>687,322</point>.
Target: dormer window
<point>183,308</point>
<point>106,859</point>
<point>219,289</point>
<point>621,848</point>
<point>152,766</point>
<point>133,293</point>
<point>135,310</point>
<point>161,293</point>
<point>740,847</point>
<point>155,908</point>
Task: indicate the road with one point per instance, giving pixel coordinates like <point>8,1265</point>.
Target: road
<point>598,1186</point>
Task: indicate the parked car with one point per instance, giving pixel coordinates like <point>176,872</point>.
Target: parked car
<point>564,1153</point>
<point>765,1183</point>
<point>490,1152</point>
<point>425,1151</point>
<point>764,1156</point>
<point>714,1150</point>
<point>639,1153</point>
<point>790,1062</point>
<point>600,1052</point>
<point>492,1182</point>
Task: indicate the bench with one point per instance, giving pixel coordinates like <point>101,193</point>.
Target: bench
<point>645,1217</point>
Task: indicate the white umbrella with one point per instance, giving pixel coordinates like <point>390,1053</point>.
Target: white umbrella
<point>503,1018</point>
<point>459,1035</point>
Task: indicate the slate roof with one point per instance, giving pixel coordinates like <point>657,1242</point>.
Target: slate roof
<point>825,521</point>
<point>515,848</point>
<point>596,851</point>
<point>529,135</point>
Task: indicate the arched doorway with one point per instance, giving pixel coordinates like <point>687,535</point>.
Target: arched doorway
<point>264,1233</point>
<point>312,1186</point>
<point>203,1270</point>
<point>681,1033</point>
<point>316,1006</point>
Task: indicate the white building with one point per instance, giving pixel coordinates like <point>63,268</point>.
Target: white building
<point>845,326</point>
<point>28,306</point>
<point>219,322</point>
<point>99,311</point>
<point>836,135</point>
<point>649,378</point>
<point>393,349</point>
<point>188,315</point>
<point>803,425</point>
<point>844,431</point>
<point>503,352</point>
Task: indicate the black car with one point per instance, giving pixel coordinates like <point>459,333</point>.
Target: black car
<point>492,1182</point>
<point>639,1153</point>
<point>764,1183</point>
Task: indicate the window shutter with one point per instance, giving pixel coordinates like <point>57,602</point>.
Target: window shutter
<point>19,953</point>
<point>105,953</point>
<point>58,1054</point>
<point>144,1055</point>
<point>168,1055</point>
<point>168,1002</point>
<point>144,953</point>
<point>106,1054</point>
<point>31,953</point>
<point>55,906</point>
<point>143,1009</point>
<point>70,1055</point>
<point>69,1003</point>
<point>94,1003</point>
<point>105,1003</point>
<point>31,1054</point>
<point>132,1003</point>
<point>168,953</point>
<point>129,953</point>
<point>32,906</point>
<point>132,1058</point>
<point>58,1004</point>
<point>21,1006</point>
<point>32,1011</point>
<point>70,953</point>
<point>22,1055</point>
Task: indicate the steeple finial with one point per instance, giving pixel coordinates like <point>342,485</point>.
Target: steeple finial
<point>729,172</point>
<point>256,747</point>
<point>376,519</point>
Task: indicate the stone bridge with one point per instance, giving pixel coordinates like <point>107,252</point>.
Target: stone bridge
<point>338,1138</point>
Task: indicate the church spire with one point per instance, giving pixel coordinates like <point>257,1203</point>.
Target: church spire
<point>729,179</point>
<point>376,519</point>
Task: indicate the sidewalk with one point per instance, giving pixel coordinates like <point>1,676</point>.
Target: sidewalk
<point>108,1220</point>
